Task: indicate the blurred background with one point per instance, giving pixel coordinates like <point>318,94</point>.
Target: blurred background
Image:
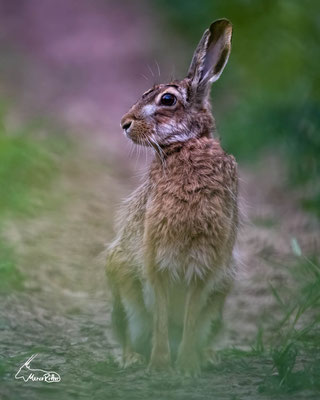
<point>69,70</point>
<point>269,97</point>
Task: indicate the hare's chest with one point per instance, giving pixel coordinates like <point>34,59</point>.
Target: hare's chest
<point>177,206</point>
<point>177,232</point>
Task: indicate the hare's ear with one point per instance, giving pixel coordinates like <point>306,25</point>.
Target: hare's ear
<point>211,55</point>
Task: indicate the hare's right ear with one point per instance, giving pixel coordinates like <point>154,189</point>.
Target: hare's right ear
<point>211,55</point>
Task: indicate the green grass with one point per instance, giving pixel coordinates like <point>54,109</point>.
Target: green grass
<point>29,163</point>
<point>10,276</point>
<point>289,360</point>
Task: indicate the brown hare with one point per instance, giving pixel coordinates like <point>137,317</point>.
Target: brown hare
<point>171,264</point>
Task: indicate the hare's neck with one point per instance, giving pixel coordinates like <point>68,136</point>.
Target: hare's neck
<point>170,149</point>
<point>173,148</point>
<point>173,164</point>
<point>178,153</point>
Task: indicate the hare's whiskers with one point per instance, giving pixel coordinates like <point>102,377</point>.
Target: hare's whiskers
<point>157,150</point>
<point>158,67</point>
<point>131,150</point>
<point>150,70</point>
<point>160,151</point>
<point>173,73</point>
<point>145,149</point>
<point>139,152</point>
<point>145,77</point>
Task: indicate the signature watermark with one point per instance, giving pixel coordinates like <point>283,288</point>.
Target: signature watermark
<point>27,373</point>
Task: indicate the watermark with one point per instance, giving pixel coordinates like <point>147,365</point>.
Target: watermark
<point>27,373</point>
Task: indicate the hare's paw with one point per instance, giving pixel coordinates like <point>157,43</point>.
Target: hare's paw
<point>160,361</point>
<point>188,363</point>
<point>132,359</point>
<point>211,357</point>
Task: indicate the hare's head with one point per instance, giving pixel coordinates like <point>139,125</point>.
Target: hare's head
<point>180,110</point>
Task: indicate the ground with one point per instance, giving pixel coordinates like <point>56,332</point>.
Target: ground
<point>63,312</point>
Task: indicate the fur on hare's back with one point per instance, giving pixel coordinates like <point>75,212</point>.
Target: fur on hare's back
<point>191,213</point>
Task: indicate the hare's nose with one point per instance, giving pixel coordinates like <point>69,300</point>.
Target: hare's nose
<point>126,125</point>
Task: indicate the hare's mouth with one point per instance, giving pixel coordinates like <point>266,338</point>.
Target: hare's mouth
<point>138,139</point>
<point>138,133</point>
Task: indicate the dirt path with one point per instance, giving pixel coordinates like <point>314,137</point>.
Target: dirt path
<point>63,314</point>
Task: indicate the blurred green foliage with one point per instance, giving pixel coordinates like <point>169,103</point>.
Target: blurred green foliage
<point>28,163</point>
<point>10,275</point>
<point>269,95</point>
<point>29,160</point>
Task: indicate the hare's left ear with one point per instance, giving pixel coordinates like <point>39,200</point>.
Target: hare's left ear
<point>211,55</point>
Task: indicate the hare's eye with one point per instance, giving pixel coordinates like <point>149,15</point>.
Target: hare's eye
<point>168,99</point>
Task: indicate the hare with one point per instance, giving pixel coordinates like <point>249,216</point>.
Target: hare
<point>171,264</point>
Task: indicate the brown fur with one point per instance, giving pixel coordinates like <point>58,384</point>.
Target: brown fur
<point>171,265</point>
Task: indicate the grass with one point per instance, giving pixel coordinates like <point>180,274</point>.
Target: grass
<point>29,163</point>
<point>289,360</point>
<point>10,276</point>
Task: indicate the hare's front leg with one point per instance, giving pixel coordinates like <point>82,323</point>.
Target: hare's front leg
<point>121,328</point>
<point>188,360</point>
<point>212,323</point>
<point>130,320</point>
<point>160,354</point>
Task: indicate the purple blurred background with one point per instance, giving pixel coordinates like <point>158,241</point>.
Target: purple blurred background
<point>80,62</point>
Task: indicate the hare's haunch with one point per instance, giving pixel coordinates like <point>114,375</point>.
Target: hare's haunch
<point>171,264</point>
